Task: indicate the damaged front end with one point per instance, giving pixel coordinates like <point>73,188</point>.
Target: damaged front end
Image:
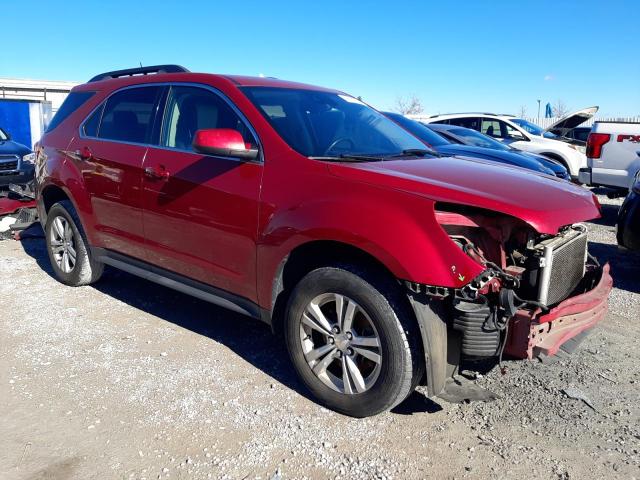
<point>535,293</point>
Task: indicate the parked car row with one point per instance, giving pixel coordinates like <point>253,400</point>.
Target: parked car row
<point>526,136</point>
<point>454,140</point>
<point>382,263</point>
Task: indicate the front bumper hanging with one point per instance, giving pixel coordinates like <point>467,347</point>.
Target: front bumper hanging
<point>532,333</point>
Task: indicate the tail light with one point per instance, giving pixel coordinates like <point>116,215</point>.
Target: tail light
<point>595,143</point>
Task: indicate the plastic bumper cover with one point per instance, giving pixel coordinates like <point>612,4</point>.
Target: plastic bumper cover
<point>584,176</point>
<point>532,334</point>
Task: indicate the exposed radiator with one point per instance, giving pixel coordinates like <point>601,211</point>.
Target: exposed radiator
<point>563,264</point>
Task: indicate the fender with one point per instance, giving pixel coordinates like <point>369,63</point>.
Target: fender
<point>397,228</point>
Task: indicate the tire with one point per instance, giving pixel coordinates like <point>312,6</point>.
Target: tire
<point>65,238</point>
<point>381,328</point>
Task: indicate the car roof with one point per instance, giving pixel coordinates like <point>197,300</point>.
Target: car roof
<point>236,80</point>
<point>465,114</point>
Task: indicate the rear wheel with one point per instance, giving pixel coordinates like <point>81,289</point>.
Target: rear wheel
<point>352,341</point>
<point>67,247</point>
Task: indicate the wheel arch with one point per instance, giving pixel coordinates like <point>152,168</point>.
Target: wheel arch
<point>308,256</point>
<point>52,194</point>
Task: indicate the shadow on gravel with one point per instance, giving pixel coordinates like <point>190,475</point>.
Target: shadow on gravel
<point>625,264</point>
<point>249,338</point>
<point>417,403</point>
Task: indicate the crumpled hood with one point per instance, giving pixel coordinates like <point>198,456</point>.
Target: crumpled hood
<point>544,202</point>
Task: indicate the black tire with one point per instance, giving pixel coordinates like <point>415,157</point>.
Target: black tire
<point>402,363</point>
<point>85,269</point>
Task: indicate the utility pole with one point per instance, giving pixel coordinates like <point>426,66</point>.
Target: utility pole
<point>538,111</point>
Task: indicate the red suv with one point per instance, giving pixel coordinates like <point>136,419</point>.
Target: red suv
<point>383,264</point>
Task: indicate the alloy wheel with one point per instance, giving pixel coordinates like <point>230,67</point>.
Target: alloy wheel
<point>340,343</point>
<point>62,244</point>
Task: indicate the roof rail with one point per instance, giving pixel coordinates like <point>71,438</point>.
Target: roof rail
<point>129,72</point>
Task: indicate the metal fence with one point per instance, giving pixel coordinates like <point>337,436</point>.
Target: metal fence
<point>547,122</point>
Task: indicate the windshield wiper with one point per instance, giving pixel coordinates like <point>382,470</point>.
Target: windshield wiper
<point>348,157</point>
<point>415,152</point>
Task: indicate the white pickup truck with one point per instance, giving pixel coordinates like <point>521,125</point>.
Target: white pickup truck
<point>613,155</point>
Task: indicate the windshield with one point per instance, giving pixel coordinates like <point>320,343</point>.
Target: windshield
<point>532,128</point>
<point>476,139</point>
<point>327,124</point>
<point>425,134</point>
<point>3,136</point>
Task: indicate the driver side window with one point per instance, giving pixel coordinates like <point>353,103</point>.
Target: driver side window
<point>190,109</point>
<point>512,133</point>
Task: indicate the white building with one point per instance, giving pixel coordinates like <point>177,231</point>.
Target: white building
<point>27,106</point>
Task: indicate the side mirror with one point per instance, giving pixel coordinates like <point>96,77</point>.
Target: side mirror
<point>223,142</point>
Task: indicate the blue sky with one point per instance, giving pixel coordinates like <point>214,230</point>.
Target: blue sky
<point>453,55</point>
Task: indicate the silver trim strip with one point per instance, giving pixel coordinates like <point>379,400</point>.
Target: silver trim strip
<point>175,285</point>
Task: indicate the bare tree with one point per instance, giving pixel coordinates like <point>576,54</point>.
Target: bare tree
<point>560,109</point>
<point>523,111</point>
<point>408,106</point>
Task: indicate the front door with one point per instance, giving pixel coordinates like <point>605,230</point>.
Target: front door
<point>201,212</point>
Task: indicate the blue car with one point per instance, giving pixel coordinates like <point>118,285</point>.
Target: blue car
<point>455,140</point>
<point>16,161</point>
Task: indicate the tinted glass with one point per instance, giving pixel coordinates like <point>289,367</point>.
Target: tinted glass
<point>467,122</point>
<point>90,127</point>
<point>418,129</point>
<point>327,124</point>
<point>190,109</point>
<point>73,101</point>
<point>128,115</point>
<point>581,134</point>
<point>3,135</point>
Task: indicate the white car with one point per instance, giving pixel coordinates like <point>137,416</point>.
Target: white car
<point>524,135</point>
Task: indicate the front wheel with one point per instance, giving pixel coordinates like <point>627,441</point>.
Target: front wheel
<point>353,344</point>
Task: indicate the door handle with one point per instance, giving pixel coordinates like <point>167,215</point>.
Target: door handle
<point>154,174</point>
<point>84,153</point>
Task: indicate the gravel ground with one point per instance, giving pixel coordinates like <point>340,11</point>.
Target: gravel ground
<point>130,380</point>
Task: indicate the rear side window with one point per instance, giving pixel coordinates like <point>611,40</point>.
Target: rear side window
<point>90,127</point>
<point>468,122</point>
<point>128,115</point>
<point>73,101</point>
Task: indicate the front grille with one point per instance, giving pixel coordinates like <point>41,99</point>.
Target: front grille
<point>5,166</point>
<point>564,266</point>
<point>8,162</point>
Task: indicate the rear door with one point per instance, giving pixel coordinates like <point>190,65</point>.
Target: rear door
<point>504,132</point>
<point>201,211</point>
<point>111,148</point>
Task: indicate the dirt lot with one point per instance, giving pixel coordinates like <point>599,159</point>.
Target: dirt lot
<point>130,380</point>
